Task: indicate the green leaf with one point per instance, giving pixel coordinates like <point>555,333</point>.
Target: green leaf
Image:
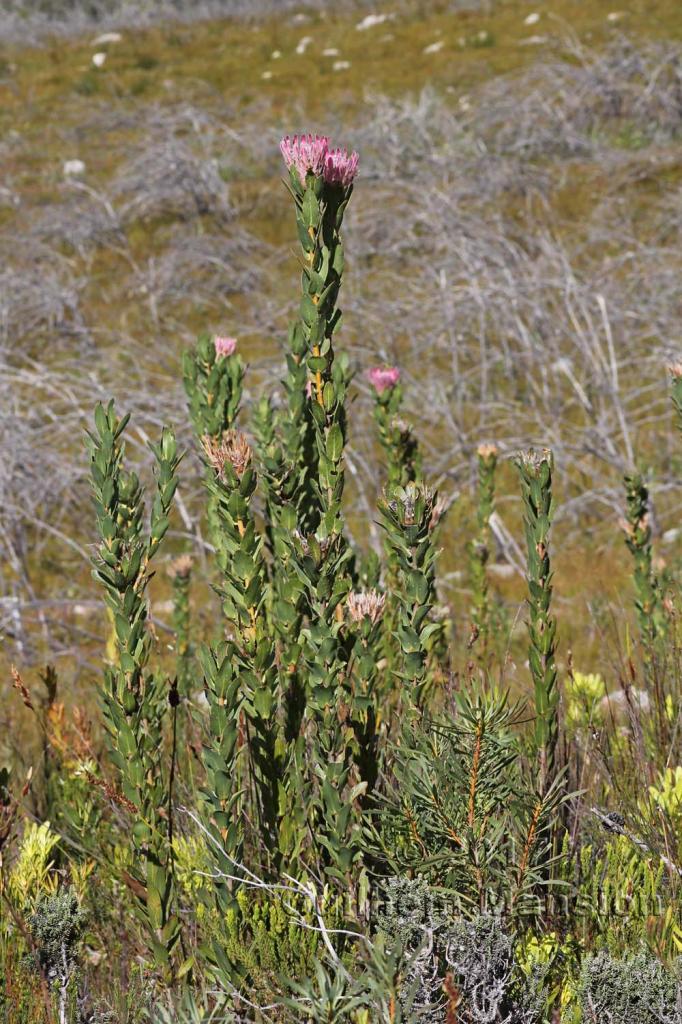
<point>101,421</point>
<point>310,209</point>
<point>262,702</point>
<point>185,968</point>
<point>334,444</point>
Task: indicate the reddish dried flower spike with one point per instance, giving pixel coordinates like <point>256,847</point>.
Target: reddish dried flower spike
<point>18,684</point>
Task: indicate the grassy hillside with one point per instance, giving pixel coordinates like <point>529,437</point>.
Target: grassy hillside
<point>507,159</point>
<point>512,246</point>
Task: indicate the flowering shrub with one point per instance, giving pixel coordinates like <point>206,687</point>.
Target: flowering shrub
<point>253,801</point>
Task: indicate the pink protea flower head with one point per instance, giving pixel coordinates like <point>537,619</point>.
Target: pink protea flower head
<point>383,377</point>
<point>305,153</point>
<point>340,168</point>
<point>225,346</point>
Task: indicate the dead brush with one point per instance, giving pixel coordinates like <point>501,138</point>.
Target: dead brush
<point>168,178</point>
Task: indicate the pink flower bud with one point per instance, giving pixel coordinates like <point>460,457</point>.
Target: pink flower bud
<point>340,168</point>
<point>309,388</point>
<point>383,377</point>
<point>225,346</point>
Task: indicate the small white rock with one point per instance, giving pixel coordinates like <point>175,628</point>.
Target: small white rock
<point>341,65</point>
<point>617,702</point>
<point>501,569</point>
<point>615,16</point>
<point>84,611</point>
<point>370,20</point>
<point>303,45</point>
<point>276,54</point>
<point>99,59</point>
<point>532,19</point>
<point>670,536</point>
<point>73,167</point>
<point>464,103</point>
<point>266,75</point>
<point>434,47</point>
<point>107,38</point>
<point>533,41</point>
<point>331,51</point>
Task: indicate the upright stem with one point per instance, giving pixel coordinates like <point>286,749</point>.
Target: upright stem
<point>213,383</point>
<point>314,547</point>
<point>638,541</point>
<point>535,470</point>
<point>409,516</point>
<point>136,700</point>
<point>676,382</point>
<point>479,549</point>
<point>401,450</point>
<point>319,214</point>
<point>251,679</point>
<point>180,572</point>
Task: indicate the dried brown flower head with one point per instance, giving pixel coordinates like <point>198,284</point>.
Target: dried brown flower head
<point>232,448</point>
<point>181,567</point>
<point>402,426</point>
<point>487,451</point>
<point>629,528</point>
<point>366,604</point>
<point>534,458</point>
<point>440,507</point>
